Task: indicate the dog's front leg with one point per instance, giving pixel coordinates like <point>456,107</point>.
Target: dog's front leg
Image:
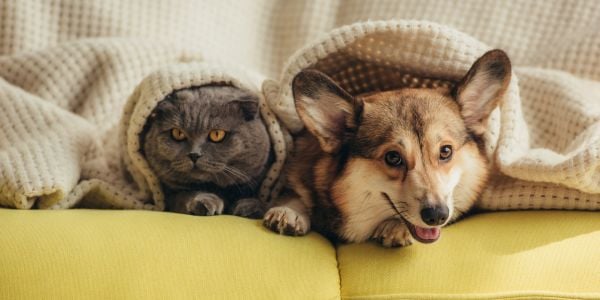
<point>392,232</point>
<point>289,217</point>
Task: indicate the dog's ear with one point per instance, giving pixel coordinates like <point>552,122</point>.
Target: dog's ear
<point>480,91</point>
<point>328,112</point>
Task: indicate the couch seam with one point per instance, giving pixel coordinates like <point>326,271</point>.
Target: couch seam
<point>339,269</point>
<point>516,295</point>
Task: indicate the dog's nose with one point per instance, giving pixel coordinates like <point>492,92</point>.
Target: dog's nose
<point>194,156</point>
<point>435,215</point>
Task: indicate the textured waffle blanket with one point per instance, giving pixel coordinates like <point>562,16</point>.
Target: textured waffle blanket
<point>79,78</point>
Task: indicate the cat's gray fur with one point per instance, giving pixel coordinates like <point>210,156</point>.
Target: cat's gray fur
<point>227,175</point>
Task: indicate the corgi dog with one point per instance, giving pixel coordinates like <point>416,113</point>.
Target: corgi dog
<point>392,166</point>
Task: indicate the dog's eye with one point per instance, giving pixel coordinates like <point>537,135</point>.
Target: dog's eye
<point>445,152</point>
<point>394,159</point>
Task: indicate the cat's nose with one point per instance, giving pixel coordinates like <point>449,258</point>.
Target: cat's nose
<point>194,156</point>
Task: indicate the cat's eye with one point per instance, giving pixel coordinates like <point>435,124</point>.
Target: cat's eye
<point>394,159</point>
<point>445,152</point>
<point>178,134</point>
<point>217,135</point>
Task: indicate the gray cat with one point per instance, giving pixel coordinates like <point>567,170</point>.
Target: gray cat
<point>210,150</point>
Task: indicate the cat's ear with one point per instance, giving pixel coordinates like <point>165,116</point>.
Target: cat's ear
<point>248,106</point>
<point>327,111</point>
<point>163,107</point>
<point>480,91</point>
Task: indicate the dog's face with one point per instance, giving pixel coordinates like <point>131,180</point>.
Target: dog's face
<point>412,154</point>
<point>414,146</point>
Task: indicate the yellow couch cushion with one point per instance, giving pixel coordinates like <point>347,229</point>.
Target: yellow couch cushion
<point>498,255</point>
<point>87,254</point>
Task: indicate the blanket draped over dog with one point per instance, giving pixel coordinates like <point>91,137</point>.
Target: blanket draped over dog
<point>78,80</point>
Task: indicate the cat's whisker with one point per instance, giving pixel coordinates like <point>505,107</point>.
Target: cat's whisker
<point>231,175</point>
<point>243,176</point>
<point>177,165</point>
<point>235,173</point>
<point>238,186</point>
<point>187,152</point>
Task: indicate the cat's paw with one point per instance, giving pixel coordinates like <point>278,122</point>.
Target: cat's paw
<point>204,204</point>
<point>392,233</point>
<point>248,208</point>
<point>285,220</point>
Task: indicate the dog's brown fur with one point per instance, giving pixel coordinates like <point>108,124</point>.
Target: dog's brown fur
<point>338,179</point>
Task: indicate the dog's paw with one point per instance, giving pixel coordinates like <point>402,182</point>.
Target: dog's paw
<point>204,204</point>
<point>248,208</point>
<point>285,220</point>
<point>392,233</point>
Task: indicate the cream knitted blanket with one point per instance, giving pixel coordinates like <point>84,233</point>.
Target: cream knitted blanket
<point>69,69</point>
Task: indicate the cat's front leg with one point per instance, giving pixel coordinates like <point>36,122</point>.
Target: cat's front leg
<point>248,208</point>
<point>289,217</point>
<point>198,203</point>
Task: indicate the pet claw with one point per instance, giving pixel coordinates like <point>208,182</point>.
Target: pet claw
<point>204,205</point>
<point>278,219</point>
<point>297,227</point>
<point>392,233</point>
<point>281,223</point>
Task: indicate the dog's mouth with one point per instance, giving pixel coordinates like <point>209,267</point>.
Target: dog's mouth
<point>421,234</point>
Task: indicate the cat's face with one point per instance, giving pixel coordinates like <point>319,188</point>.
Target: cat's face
<point>210,134</point>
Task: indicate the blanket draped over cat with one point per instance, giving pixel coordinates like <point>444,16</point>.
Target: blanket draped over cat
<point>115,173</point>
<point>61,146</point>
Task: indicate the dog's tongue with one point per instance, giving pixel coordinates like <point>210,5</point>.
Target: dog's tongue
<point>430,234</point>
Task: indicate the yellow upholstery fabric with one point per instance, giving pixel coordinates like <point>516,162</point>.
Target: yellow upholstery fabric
<point>86,254</point>
<point>150,255</point>
<point>507,255</point>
